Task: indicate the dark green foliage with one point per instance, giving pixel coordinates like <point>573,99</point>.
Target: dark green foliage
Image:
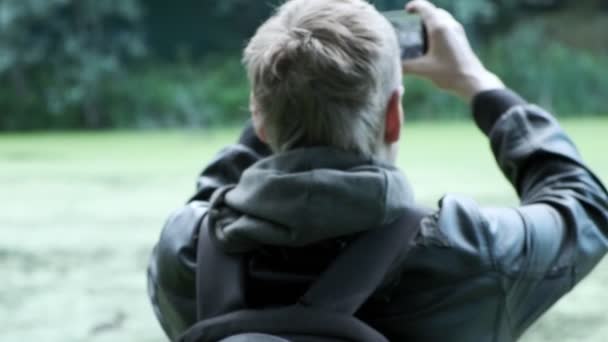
<point>197,28</point>
<point>568,81</point>
<point>55,54</point>
<point>69,64</point>
<point>179,95</point>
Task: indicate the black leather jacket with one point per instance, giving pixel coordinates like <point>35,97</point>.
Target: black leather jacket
<point>475,273</point>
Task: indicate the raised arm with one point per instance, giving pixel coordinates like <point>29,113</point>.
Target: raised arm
<point>560,231</point>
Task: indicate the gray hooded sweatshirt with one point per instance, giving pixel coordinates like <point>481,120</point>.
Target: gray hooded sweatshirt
<point>305,196</point>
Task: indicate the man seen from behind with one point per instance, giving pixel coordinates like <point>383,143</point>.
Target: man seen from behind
<point>317,166</point>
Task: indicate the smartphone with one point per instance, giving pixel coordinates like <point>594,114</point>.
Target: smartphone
<point>411,33</point>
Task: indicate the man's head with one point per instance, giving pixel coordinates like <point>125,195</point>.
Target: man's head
<point>326,73</point>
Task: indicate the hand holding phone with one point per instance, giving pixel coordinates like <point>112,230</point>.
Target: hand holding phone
<point>411,33</point>
<point>450,62</point>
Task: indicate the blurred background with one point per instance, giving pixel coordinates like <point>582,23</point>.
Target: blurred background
<point>86,64</point>
<point>109,109</point>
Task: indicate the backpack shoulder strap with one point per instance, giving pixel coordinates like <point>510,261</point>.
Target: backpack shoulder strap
<point>342,288</point>
<point>220,278</point>
<point>360,269</point>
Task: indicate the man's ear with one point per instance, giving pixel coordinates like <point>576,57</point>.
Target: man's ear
<point>394,113</point>
<point>257,120</point>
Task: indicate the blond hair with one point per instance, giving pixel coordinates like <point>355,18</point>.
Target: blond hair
<point>322,73</point>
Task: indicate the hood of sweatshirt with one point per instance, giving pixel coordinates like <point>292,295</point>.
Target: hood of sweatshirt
<point>306,196</point>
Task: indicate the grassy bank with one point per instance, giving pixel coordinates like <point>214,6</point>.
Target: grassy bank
<point>79,214</point>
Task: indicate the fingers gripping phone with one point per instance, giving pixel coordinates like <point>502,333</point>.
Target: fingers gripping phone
<point>411,33</point>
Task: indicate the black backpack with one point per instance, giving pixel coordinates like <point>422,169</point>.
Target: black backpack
<point>324,313</point>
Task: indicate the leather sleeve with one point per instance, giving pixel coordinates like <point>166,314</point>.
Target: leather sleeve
<point>171,270</point>
<point>559,232</point>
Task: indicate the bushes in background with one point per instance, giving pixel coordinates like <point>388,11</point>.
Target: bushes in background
<point>179,95</point>
<point>71,64</point>
<point>56,54</point>
<point>215,92</point>
<point>565,80</point>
